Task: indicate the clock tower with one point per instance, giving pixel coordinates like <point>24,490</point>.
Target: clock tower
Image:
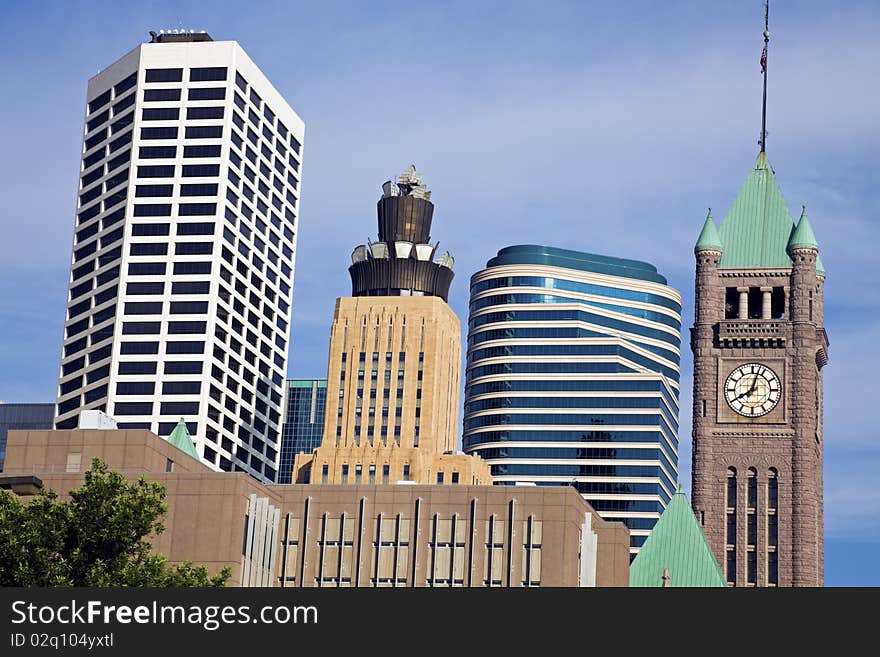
<point>759,346</point>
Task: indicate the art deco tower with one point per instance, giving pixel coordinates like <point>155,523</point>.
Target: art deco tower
<point>759,347</point>
<point>394,369</point>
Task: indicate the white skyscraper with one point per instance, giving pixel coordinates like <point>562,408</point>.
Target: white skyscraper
<point>185,236</point>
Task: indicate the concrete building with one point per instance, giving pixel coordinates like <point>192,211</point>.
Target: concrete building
<point>23,416</point>
<point>303,427</point>
<point>341,536</point>
<point>181,275</point>
<point>759,347</point>
<point>394,367</point>
<point>573,378</point>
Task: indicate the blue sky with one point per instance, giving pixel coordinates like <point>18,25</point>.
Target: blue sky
<point>605,127</point>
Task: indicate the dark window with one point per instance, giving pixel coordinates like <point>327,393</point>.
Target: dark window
<point>146,268</point>
<point>193,248</point>
<point>155,152</point>
<point>97,121</point>
<point>200,170</point>
<point>156,171</point>
<point>87,232</point>
<point>140,230</point>
<point>207,74</point>
<point>91,212</point>
<point>160,114</point>
<point>99,101</point>
<point>149,249</point>
<point>199,189</point>
<point>114,217</point>
<point>79,308</point>
<point>164,75</point>
<point>204,131</point>
<point>89,178</point>
<point>183,366</point>
<point>185,347</point>
<point>93,141</point>
<point>94,158</point>
<point>192,267</point>
<point>145,288</point>
<point>163,132</point>
<point>137,368</point>
<point>207,93</point>
<point>125,85</point>
<point>110,292</point>
<point>186,327</point>
<point>190,287</point>
<point>133,408</point>
<point>152,95</point>
<point>118,179</point>
<point>196,209</point>
<point>201,228</point>
<point>123,105</point>
<point>189,307</point>
<point>118,161</point>
<point>179,408</point>
<point>152,210</point>
<point>140,328</point>
<point>90,195</point>
<point>111,237</point>
<point>135,388</point>
<point>204,113</point>
<point>181,388</point>
<point>139,348</point>
<point>201,151</point>
<point>124,140</point>
<point>143,308</point>
<point>122,122</point>
<point>85,270</point>
<point>154,190</point>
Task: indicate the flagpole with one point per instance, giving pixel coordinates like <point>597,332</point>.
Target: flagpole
<point>764,71</point>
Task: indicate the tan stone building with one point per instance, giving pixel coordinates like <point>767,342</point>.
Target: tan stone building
<point>394,364</point>
<point>330,535</point>
<point>393,382</point>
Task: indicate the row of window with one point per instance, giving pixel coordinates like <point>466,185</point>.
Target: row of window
<point>575,286</point>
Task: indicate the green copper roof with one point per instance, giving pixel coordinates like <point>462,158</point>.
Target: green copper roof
<point>181,440</point>
<point>676,545</point>
<point>709,238</point>
<point>756,230</point>
<point>803,235</point>
<point>820,267</point>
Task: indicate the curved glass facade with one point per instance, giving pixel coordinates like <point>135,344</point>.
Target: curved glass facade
<point>567,348</point>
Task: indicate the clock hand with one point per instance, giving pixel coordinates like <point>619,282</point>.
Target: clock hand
<point>750,390</point>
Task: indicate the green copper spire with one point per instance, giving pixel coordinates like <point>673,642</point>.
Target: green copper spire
<point>676,552</point>
<point>756,230</point>
<point>803,236</point>
<point>181,440</point>
<point>709,238</point>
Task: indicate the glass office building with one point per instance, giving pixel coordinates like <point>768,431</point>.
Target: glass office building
<point>573,378</point>
<point>23,417</point>
<point>303,422</point>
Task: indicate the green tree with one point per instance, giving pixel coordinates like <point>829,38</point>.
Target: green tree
<point>97,538</point>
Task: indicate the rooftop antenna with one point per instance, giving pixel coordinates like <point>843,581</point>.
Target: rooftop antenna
<point>763,140</point>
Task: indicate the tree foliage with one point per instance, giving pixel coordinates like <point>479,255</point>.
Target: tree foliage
<point>97,538</point>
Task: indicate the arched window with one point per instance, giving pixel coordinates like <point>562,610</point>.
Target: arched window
<point>752,529</point>
<point>731,527</point>
<point>772,527</point>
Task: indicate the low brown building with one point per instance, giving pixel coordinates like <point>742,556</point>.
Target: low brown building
<point>341,535</point>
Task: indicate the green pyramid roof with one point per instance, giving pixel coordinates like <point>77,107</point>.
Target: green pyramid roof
<point>677,546</point>
<point>181,440</point>
<point>803,235</point>
<point>756,230</point>
<point>709,238</point>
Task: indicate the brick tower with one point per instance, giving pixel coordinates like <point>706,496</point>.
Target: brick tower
<point>759,346</point>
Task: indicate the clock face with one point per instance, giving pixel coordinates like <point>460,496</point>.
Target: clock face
<point>752,390</point>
